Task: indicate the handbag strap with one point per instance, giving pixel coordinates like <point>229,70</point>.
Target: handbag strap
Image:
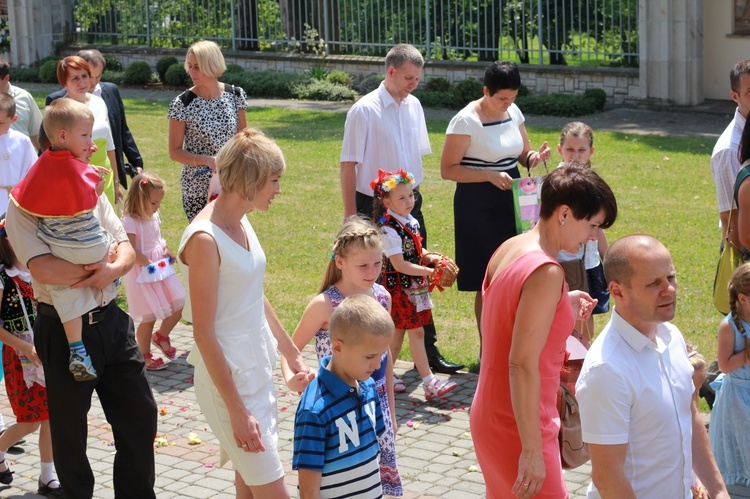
<point>23,305</point>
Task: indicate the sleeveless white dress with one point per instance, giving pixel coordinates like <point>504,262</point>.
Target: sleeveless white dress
<point>249,348</point>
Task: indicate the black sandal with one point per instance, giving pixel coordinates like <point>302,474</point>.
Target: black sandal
<point>47,491</point>
<point>6,477</point>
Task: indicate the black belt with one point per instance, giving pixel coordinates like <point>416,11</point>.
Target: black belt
<point>92,317</point>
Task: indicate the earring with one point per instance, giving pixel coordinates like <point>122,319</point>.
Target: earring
<point>562,223</point>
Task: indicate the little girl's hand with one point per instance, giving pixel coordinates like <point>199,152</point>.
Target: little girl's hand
<point>300,381</point>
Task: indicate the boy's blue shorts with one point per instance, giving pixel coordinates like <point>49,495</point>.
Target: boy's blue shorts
<point>598,289</point>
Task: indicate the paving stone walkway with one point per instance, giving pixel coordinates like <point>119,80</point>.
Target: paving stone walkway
<point>435,451</point>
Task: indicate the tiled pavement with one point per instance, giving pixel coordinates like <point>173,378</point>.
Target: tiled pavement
<point>435,451</point>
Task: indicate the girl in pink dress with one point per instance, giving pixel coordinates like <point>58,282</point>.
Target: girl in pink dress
<point>153,290</point>
<point>526,319</point>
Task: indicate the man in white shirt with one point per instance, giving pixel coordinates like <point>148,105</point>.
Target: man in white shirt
<point>29,116</point>
<point>635,390</point>
<point>725,162</point>
<point>386,130</point>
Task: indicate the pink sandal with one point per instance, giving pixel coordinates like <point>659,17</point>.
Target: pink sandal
<point>157,339</point>
<point>153,364</point>
<point>398,385</point>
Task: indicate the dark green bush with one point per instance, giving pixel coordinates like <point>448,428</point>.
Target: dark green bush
<point>369,84</point>
<point>112,63</point>
<point>466,91</point>
<point>138,73</point>
<point>325,90</point>
<point>176,75</point>
<point>236,79</point>
<point>48,58</point>
<point>115,77</point>
<point>558,105</point>
<point>523,91</point>
<point>339,77</point>
<point>434,98</point>
<point>48,72</point>
<point>234,68</point>
<point>437,84</point>
<point>273,85</point>
<point>598,95</point>
<point>24,74</point>
<point>163,64</point>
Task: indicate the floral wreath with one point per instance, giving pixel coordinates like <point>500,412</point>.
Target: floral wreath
<point>387,181</point>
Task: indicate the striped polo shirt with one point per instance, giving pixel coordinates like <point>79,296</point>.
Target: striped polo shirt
<point>336,433</point>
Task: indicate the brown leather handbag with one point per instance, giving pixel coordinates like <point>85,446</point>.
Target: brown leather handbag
<point>573,450</point>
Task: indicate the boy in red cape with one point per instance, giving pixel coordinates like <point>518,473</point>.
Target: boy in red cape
<point>61,189</point>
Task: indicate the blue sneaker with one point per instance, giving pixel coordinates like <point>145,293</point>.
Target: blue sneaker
<point>81,367</point>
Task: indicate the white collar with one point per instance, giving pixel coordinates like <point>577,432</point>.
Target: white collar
<point>636,339</point>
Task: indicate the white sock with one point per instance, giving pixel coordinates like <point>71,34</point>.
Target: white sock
<point>2,424</point>
<point>48,473</point>
<point>2,461</point>
<point>427,380</point>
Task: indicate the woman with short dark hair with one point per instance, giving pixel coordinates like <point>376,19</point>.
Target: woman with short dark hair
<point>527,317</point>
<point>484,143</point>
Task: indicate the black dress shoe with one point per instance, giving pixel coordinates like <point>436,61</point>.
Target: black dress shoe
<point>439,365</point>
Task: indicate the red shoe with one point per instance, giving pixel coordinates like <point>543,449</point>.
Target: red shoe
<point>398,385</point>
<point>438,388</point>
<point>153,364</point>
<point>158,340</point>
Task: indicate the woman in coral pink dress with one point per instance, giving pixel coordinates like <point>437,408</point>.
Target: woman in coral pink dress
<point>527,316</point>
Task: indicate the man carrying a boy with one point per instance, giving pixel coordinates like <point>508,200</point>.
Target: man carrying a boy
<point>29,117</point>
<point>109,336</point>
<point>635,389</point>
<point>339,416</point>
<point>387,129</point>
<point>725,162</point>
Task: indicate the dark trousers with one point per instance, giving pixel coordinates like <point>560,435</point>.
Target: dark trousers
<point>364,207</point>
<point>124,393</point>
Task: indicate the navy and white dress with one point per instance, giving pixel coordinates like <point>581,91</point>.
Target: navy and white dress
<point>483,214</point>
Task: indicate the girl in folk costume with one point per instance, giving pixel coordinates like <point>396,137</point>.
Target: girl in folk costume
<point>403,275</point>
<point>153,290</point>
<point>355,264</point>
<point>24,378</point>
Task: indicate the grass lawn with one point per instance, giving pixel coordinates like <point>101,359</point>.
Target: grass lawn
<point>663,187</point>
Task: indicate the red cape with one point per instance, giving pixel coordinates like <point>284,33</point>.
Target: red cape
<point>58,185</point>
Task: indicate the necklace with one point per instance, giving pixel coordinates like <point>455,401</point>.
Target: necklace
<point>492,119</point>
<point>244,242</point>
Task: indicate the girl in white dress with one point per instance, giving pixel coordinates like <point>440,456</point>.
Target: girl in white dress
<point>236,330</point>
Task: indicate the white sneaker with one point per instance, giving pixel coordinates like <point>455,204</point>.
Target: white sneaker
<point>438,388</point>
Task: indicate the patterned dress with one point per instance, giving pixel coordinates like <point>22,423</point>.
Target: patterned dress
<point>209,124</point>
<point>390,478</point>
<point>29,403</point>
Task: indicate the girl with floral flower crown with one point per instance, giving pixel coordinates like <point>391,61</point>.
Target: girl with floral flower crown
<point>152,288</point>
<point>403,274</point>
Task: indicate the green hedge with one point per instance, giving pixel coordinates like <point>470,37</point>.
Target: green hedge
<point>325,90</point>
<point>176,75</point>
<point>163,64</point>
<point>138,73</point>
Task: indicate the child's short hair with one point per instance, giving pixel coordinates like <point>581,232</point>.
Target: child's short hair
<point>577,129</point>
<point>139,193</point>
<point>209,57</point>
<point>7,105</point>
<point>697,360</point>
<point>247,162</point>
<point>62,114</point>
<point>359,314</point>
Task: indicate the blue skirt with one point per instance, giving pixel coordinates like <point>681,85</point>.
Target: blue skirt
<point>728,431</point>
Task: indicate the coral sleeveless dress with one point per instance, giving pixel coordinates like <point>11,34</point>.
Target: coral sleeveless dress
<point>493,424</point>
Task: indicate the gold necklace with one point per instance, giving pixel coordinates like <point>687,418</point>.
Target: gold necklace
<point>244,241</point>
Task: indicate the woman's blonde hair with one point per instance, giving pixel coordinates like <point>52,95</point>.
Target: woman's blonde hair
<point>356,233</point>
<point>739,284</point>
<point>247,161</point>
<point>209,56</point>
<point>139,194</point>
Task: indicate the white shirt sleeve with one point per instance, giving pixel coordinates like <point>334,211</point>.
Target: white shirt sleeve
<point>724,177</point>
<point>391,242</point>
<point>604,401</point>
<point>355,135</point>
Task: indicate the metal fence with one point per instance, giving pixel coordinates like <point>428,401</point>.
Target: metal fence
<point>587,32</point>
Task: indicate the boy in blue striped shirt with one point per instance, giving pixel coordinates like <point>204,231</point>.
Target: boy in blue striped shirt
<point>339,417</point>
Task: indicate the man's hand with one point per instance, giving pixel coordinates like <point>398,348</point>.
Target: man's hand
<point>102,275</point>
